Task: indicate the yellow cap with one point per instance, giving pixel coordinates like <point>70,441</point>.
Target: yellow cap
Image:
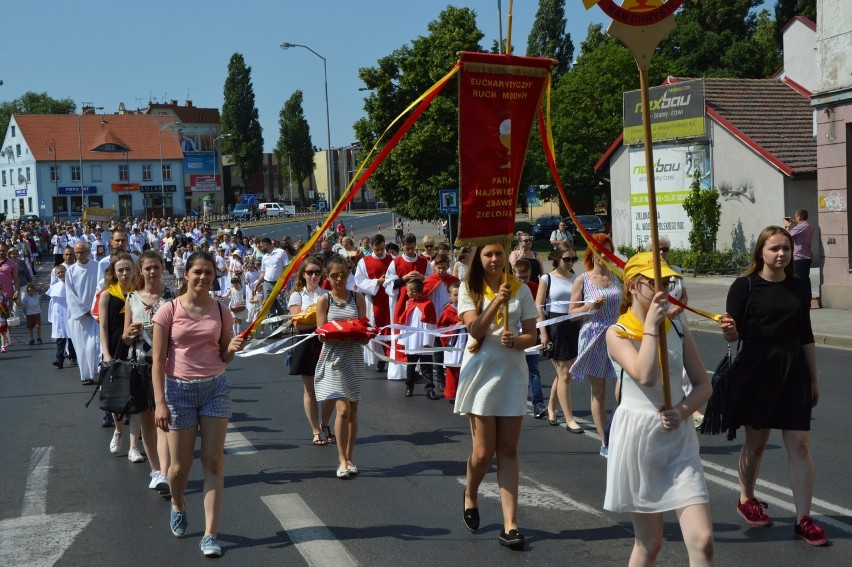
<point>642,264</point>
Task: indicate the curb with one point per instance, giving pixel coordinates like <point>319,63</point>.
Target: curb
<point>821,339</point>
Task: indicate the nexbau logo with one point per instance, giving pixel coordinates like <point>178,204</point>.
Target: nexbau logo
<point>659,168</point>
<point>665,102</point>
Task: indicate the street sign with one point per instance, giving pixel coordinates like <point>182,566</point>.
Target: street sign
<point>322,206</point>
<point>531,193</point>
<point>449,201</point>
<point>247,199</point>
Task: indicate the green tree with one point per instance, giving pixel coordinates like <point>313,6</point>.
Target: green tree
<point>240,120</point>
<point>587,114</point>
<point>703,209</point>
<point>786,10</point>
<point>548,37</point>
<point>426,159</point>
<point>294,149</point>
<point>33,103</point>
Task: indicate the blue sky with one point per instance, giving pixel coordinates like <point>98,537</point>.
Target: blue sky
<point>108,51</point>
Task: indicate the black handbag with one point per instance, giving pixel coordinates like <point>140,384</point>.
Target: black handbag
<point>125,386</point>
<point>717,405</point>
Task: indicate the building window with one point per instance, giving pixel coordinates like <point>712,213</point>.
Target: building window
<point>54,173</point>
<point>4,177</point>
<point>96,173</point>
<point>30,204</point>
<point>146,173</point>
<point>124,173</point>
<point>28,175</point>
<point>167,172</point>
<point>75,173</point>
<point>13,131</point>
<point>18,149</point>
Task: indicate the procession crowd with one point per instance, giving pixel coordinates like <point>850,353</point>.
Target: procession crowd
<point>177,296</point>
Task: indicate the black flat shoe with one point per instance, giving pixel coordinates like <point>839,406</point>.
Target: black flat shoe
<point>432,395</point>
<point>409,392</point>
<point>552,422</point>
<point>513,540</point>
<point>577,430</point>
<point>470,517</point>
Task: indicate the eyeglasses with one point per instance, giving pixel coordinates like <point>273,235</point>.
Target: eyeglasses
<point>338,275</point>
<point>667,286</point>
<point>428,246</point>
<point>664,248</point>
<point>569,259</point>
<point>313,272</point>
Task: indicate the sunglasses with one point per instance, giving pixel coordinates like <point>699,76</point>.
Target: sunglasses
<point>664,248</point>
<point>313,272</point>
<point>338,275</point>
<point>428,246</point>
<point>569,259</point>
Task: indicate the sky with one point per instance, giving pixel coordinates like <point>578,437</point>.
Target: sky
<point>105,52</point>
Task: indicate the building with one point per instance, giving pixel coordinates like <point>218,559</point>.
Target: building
<point>751,139</point>
<point>60,164</point>
<point>832,102</point>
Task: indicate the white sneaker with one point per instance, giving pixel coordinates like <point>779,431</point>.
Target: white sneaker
<point>134,456</point>
<point>159,482</point>
<point>115,444</point>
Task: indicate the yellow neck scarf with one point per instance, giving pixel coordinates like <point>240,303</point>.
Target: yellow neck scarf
<point>491,296</point>
<point>116,291</point>
<point>634,327</point>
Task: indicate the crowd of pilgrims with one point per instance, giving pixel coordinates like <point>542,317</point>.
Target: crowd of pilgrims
<point>443,319</point>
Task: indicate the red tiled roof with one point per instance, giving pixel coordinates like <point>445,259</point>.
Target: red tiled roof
<point>768,115</point>
<point>140,134</point>
<point>187,114</point>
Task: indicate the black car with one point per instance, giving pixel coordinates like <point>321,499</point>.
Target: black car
<point>30,218</point>
<point>544,227</point>
<point>592,224</point>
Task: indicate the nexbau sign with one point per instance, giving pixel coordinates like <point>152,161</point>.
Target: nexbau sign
<point>677,111</point>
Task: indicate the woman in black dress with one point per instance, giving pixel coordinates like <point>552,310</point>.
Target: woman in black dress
<point>774,383</point>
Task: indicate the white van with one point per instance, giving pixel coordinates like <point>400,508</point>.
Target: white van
<point>271,209</point>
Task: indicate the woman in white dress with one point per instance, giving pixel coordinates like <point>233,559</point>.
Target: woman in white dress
<point>493,380</point>
<point>653,464</point>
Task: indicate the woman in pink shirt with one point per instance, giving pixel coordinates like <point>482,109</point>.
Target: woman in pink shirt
<point>192,347</point>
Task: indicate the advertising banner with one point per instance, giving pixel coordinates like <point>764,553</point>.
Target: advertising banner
<point>98,214</point>
<point>498,99</point>
<point>124,187</point>
<point>206,183</point>
<point>677,111</point>
<point>158,188</point>
<point>674,167</point>
<point>20,192</point>
<point>198,162</point>
<point>75,190</point>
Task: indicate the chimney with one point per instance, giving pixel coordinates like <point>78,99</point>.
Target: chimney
<point>189,103</point>
<point>173,102</point>
<point>87,108</point>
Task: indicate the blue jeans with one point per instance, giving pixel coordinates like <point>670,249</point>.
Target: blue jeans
<point>535,380</point>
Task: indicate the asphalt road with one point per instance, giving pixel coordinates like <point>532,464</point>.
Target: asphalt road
<point>68,501</point>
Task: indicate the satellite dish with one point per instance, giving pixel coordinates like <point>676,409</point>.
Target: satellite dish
<point>22,179</point>
<point>8,152</point>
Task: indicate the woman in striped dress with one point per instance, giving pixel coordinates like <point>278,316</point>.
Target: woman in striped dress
<point>340,370</point>
<point>601,291</point>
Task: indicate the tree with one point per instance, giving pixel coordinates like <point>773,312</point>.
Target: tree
<point>240,120</point>
<point>703,209</point>
<point>294,143</point>
<point>587,114</point>
<point>426,159</point>
<point>548,38</point>
<point>786,10</point>
<point>33,103</point>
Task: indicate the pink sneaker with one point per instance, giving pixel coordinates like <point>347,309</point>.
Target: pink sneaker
<point>807,530</point>
<point>752,512</point>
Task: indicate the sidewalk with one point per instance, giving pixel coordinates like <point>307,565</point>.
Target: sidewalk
<point>831,327</point>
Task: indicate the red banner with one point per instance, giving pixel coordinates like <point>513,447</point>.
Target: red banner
<point>498,99</point>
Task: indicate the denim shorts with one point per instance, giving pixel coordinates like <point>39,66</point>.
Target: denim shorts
<point>190,399</point>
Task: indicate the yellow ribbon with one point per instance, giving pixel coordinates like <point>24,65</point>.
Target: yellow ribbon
<point>515,284</point>
<point>633,327</point>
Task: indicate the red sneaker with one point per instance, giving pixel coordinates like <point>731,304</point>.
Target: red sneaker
<point>807,530</point>
<point>752,512</point>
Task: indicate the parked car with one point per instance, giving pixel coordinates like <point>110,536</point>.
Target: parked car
<point>607,222</point>
<point>242,211</point>
<point>30,218</point>
<point>271,209</point>
<point>592,224</point>
<point>544,227</point>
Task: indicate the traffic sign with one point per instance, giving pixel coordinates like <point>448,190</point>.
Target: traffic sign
<point>449,201</point>
<point>531,193</point>
<point>247,199</point>
<point>322,206</point>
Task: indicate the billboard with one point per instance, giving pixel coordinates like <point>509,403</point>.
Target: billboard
<point>207,183</point>
<point>199,162</point>
<point>677,111</point>
<point>674,167</point>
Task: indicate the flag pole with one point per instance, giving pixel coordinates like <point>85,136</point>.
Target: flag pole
<point>642,41</point>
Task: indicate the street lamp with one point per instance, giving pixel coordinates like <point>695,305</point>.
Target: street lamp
<point>83,198</point>
<point>162,180</point>
<point>51,148</point>
<point>215,162</point>
<point>286,45</point>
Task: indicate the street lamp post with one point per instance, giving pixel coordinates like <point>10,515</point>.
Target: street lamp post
<point>51,148</point>
<point>215,162</point>
<point>162,180</point>
<point>286,45</point>
<point>83,198</point>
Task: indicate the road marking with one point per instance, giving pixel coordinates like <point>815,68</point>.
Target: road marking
<point>312,539</point>
<point>237,444</point>
<point>36,538</point>
<point>537,495</point>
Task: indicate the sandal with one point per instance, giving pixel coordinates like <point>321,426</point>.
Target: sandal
<point>318,440</point>
<point>329,436</point>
